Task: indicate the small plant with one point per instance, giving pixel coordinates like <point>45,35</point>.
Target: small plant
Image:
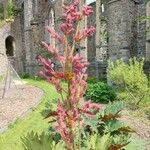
<point>100,92</point>
<point>129,77</point>
<point>25,76</point>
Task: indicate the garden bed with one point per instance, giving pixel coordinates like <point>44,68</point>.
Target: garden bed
<point>17,102</point>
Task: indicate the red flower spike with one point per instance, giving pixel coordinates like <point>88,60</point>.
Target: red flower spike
<point>69,113</point>
<point>87,10</point>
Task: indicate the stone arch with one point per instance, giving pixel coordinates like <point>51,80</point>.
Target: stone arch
<point>10,45</point>
<point>51,24</point>
<point>148,31</point>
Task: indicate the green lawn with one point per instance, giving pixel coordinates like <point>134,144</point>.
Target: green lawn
<point>10,140</point>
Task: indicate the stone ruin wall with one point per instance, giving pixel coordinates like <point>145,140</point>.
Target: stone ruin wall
<point>28,29</point>
<point>126,34</point>
<point>120,32</point>
<point>91,21</point>
<point>4,32</point>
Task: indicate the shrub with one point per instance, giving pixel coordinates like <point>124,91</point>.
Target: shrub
<point>130,77</point>
<point>100,92</point>
<point>25,76</point>
<point>12,10</point>
<point>91,80</point>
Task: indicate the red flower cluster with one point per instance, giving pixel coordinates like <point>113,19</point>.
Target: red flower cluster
<point>54,35</point>
<point>88,106</point>
<point>87,10</point>
<point>84,34</point>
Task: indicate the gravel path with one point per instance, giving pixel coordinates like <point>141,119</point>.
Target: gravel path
<point>142,127</point>
<point>17,102</point>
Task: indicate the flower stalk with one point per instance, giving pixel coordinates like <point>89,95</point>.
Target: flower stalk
<point>72,107</point>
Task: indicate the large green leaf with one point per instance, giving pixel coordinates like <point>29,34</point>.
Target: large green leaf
<point>104,142</point>
<point>33,141</point>
<point>115,125</point>
<point>97,142</point>
<point>112,111</point>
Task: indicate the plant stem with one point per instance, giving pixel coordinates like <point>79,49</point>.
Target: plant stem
<point>77,30</point>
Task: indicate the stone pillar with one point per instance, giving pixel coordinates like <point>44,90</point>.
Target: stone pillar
<point>141,28</point>
<point>121,17</point>
<point>27,34</point>
<point>148,33</point>
<point>83,25</point>
<point>98,26</point>
<point>50,22</point>
<point>52,25</point>
<point>35,9</point>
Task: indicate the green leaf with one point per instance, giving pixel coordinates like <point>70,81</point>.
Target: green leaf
<point>112,111</point>
<point>33,141</point>
<point>115,125</point>
<point>104,142</point>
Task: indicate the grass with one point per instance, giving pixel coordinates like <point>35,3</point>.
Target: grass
<point>10,140</point>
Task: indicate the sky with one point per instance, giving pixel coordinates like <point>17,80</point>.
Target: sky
<point>90,1</point>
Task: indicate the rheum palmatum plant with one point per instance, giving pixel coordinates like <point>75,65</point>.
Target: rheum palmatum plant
<point>71,107</point>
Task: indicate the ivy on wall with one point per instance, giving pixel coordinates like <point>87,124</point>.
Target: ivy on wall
<point>12,10</point>
<point>8,11</point>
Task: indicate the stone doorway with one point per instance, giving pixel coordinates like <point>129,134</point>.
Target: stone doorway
<point>10,46</point>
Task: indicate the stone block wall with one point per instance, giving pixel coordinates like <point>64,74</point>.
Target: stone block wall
<point>147,69</point>
<point>98,70</point>
<point>141,28</point>
<point>29,31</point>
<point>121,24</point>
<point>4,33</point>
<point>17,33</point>
<point>91,47</point>
<point>126,33</point>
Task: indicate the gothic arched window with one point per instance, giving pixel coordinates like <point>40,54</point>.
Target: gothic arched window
<point>52,25</point>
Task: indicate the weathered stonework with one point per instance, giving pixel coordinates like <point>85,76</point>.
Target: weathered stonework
<point>141,29</point>
<point>120,24</point>
<point>119,32</point>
